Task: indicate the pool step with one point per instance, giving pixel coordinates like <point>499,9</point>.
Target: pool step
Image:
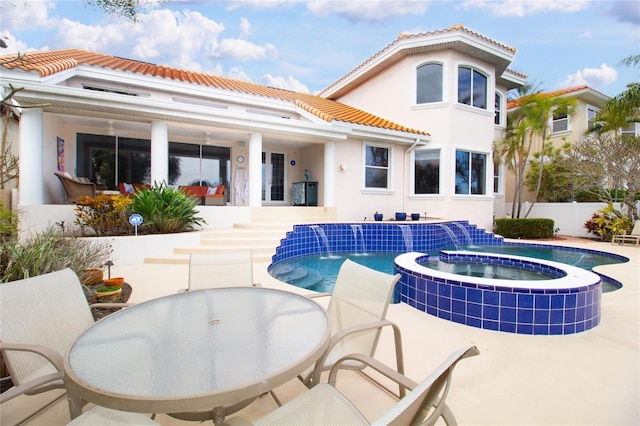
<point>268,226</point>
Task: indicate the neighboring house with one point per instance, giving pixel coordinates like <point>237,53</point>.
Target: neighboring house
<point>563,128</point>
<point>411,129</point>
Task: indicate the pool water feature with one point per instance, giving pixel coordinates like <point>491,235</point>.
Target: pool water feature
<point>300,259</point>
<point>490,268</point>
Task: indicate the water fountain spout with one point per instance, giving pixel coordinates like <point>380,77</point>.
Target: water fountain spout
<point>321,238</point>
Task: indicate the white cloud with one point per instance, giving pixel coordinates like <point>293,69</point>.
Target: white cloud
<point>245,27</point>
<point>13,45</point>
<point>586,34</point>
<point>594,77</point>
<point>367,10</point>
<point>237,73</point>
<point>242,50</point>
<point>526,7</point>
<point>288,83</point>
<point>26,14</point>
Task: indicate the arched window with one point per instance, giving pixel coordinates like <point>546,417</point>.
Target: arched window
<point>429,83</point>
<point>472,87</point>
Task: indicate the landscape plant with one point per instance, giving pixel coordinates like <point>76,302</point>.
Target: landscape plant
<point>104,214</point>
<point>607,222</point>
<point>50,251</point>
<point>166,210</point>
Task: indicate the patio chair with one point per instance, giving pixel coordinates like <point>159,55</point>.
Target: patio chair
<point>106,417</point>
<point>228,269</point>
<point>40,317</point>
<point>325,405</point>
<point>357,311</point>
<point>76,187</point>
<point>634,237</point>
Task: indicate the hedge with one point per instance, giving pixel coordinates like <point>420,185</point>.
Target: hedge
<point>524,228</point>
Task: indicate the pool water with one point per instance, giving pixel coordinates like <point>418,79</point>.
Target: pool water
<point>486,270</point>
<point>319,273</point>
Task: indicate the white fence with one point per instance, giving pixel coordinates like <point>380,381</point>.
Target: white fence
<point>568,217</point>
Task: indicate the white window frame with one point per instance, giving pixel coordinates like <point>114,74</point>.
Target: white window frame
<point>595,111</point>
<point>488,85</point>
<point>632,130</point>
<point>500,112</point>
<point>488,173</point>
<point>415,80</point>
<point>552,121</point>
<point>412,186</point>
<point>389,167</point>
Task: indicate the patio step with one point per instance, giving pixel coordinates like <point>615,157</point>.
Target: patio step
<point>262,235</point>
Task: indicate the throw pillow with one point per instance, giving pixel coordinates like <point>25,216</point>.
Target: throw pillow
<point>128,188</point>
<point>212,190</point>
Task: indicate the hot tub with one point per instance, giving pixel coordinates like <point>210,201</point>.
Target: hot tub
<point>567,302</point>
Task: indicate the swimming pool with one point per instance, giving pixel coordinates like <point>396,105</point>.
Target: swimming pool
<point>311,255</point>
<point>318,272</point>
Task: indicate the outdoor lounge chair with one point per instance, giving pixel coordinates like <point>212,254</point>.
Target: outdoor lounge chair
<point>357,311</point>
<point>76,187</point>
<point>325,405</point>
<point>634,237</point>
<point>228,269</point>
<point>40,317</point>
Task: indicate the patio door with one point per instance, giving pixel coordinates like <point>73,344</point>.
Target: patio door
<point>273,177</point>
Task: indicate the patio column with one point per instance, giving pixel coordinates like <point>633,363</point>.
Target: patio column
<point>329,184</point>
<point>31,184</point>
<point>159,152</point>
<point>255,169</point>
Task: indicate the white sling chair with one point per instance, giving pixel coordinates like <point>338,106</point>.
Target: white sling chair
<point>40,317</point>
<point>325,405</point>
<point>357,314</point>
<point>228,269</point>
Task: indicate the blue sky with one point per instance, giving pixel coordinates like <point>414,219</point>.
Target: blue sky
<point>307,45</point>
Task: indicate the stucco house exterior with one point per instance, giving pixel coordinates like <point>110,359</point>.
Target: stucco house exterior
<point>562,128</point>
<point>408,130</point>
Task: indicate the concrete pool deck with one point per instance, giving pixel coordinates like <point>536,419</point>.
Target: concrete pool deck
<point>588,378</point>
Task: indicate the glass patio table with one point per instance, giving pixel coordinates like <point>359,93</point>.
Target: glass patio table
<point>196,351</point>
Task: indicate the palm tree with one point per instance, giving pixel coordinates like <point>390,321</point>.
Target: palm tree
<point>621,110</point>
<point>536,111</point>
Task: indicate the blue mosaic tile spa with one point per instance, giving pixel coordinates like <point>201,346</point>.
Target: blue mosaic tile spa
<point>567,301</point>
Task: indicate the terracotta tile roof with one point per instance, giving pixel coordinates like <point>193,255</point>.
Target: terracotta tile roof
<point>47,63</point>
<point>402,36</point>
<point>516,102</point>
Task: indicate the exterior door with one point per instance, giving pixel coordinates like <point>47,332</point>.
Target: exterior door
<point>273,177</point>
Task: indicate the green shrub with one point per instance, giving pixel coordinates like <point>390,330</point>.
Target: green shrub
<point>8,224</point>
<point>607,222</point>
<point>524,228</point>
<point>166,210</point>
<point>50,251</point>
<point>104,214</point>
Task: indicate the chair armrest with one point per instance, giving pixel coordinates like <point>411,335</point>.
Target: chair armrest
<point>51,355</point>
<point>34,384</point>
<point>336,338</point>
<point>373,363</point>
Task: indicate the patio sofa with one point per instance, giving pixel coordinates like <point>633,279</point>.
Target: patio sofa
<point>205,195</point>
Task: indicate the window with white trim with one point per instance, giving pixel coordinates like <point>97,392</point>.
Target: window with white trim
<point>497,179</point>
<point>497,118</point>
<point>472,87</point>
<point>591,117</point>
<point>631,130</point>
<point>471,172</point>
<point>376,166</point>
<point>560,122</point>
<point>429,83</point>
<point>426,171</point>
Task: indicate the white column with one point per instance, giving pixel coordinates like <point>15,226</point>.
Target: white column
<point>255,169</point>
<point>329,183</point>
<point>31,184</point>
<point>159,152</point>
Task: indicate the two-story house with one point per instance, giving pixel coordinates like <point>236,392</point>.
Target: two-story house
<point>408,130</point>
<point>562,128</point>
